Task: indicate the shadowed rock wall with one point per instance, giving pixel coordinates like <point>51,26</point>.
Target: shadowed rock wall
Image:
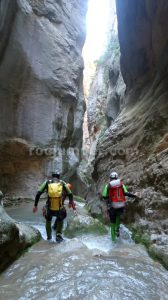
<point>143,36</point>
<point>41,91</point>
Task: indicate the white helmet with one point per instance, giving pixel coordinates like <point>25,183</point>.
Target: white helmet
<point>113,175</point>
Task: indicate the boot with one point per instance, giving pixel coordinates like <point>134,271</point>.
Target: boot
<point>59,227</point>
<point>59,238</point>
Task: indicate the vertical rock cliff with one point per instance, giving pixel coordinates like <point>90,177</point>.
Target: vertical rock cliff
<point>136,143</point>
<point>41,91</point>
<point>106,95</point>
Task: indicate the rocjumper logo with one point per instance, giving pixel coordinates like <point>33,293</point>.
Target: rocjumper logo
<point>53,151</point>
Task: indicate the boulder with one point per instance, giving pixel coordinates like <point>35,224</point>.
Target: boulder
<point>14,238</point>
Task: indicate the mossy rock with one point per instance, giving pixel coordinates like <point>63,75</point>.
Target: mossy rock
<point>159,252</point>
<point>84,225</point>
<point>79,199</point>
<point>156,252</point>
<point>142,238</point>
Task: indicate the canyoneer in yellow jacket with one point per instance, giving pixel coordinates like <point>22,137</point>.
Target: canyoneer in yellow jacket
<point>55,189</point>
<point>71,205</point>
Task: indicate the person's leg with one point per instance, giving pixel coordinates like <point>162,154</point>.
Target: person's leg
<point>61,215</point>
<point>119,212</point>
<point>113,232</point>
<point>59,227</point>
<point>59,230</point>
<point>117,225</point>
<point>48,225</point>
<point>55,225</point>
<point>112,214</point>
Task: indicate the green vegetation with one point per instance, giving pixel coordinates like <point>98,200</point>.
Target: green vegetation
<point>36,239</point>
<point>143,238</point>
<point>79,199</point>
<point>100,218</point>
<point>95,228</point>
<point>140,238</point>
<point>78,226</point>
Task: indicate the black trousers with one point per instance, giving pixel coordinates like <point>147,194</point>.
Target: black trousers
<point>60,214</point>
<point>115,212</point>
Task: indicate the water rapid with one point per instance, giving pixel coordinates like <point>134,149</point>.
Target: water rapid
<point>86,267</point>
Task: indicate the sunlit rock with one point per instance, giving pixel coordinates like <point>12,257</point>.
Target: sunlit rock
<point>41,95</point>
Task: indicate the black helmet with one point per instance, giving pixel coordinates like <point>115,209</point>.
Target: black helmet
<point>56,174</point>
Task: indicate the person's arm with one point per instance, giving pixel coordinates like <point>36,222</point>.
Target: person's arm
<point>105,192</point>
<point>128,194</point>
<point>68,192</point>
<point>41,190</point>
<point>70,195</point>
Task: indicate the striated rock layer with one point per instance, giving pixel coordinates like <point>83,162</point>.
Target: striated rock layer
<point>41,91</point>
<point>136,143</point>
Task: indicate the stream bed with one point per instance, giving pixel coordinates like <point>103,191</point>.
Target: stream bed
<point>87,267</point>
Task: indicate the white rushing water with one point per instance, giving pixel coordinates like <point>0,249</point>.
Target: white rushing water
<point>87,267</point>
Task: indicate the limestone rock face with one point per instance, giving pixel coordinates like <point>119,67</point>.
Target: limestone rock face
<point>41,91</point>
<point>105,96</point>
<point>136,144</point>
<point>15,237</point>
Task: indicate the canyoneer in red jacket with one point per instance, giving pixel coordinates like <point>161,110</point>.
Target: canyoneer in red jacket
<point>115,192</point>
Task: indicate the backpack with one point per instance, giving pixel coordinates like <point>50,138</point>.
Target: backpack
<point>55,190</point>
<point>116,193</point>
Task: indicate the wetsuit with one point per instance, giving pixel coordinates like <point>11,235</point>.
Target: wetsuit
<point>60,213</point>
<point>115,209</point>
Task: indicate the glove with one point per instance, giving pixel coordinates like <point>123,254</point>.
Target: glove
<point>72,205</point>
<point>34,209</point>
<point>137,195</point>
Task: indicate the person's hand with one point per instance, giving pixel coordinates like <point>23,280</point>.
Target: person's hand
<point>73,206</point>
<point>70,205</point>
<point>34,209</point>
<point>137,195</point>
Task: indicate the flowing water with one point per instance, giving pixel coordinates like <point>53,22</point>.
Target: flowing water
<point>88,267</point>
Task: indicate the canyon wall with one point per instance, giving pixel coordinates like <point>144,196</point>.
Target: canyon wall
<point>136,143</point>
<point>41,91</point>
<point>106,95</point>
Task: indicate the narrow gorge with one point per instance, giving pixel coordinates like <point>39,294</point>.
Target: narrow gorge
<point>130,125</point>
<point>43,106</point>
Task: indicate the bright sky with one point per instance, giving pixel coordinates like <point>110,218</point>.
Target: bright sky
<point>99,17</point>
